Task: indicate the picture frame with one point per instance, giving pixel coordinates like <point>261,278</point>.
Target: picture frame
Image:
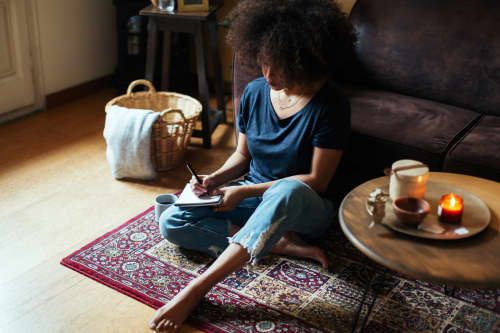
<point>192,5</point>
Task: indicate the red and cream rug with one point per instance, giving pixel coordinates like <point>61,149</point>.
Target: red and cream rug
<point>282,294</point>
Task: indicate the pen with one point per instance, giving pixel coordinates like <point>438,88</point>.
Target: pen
<point>190,168</point>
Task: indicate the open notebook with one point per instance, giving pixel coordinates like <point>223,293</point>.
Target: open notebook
<point>189,199</point>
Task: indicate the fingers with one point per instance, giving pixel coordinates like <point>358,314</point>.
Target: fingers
<point>223,207</point>
<point>204,188</point>
<point>206,181</point>
<point>197,188</point>
<point>220,209</point>
<point>217,192</point>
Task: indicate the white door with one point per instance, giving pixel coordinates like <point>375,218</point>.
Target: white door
<point>17,88</point>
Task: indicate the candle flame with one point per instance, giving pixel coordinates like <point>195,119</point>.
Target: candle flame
<point>452,201</point>
<point>419,179</point>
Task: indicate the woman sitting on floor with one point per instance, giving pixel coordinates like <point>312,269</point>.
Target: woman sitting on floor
<point>293,125</point>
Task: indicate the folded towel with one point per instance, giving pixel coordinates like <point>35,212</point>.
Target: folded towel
<point>128,137</point>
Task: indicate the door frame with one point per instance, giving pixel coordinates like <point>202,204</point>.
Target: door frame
<point>36,63</point>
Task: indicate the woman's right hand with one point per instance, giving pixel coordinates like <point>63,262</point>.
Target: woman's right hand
<point>207,186</point>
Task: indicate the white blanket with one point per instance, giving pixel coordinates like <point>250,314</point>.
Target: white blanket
<point>128,137</point>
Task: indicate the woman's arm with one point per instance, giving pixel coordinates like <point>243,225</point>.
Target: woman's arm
<point>323,166</point>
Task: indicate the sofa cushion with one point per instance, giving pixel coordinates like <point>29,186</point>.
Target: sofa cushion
<point>478,153</point>
<point>446,50</point>
<point>388,126</point>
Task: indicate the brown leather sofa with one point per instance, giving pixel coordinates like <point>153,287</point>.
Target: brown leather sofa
<point>424,84</point>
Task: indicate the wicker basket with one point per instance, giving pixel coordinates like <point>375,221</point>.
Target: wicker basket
<point>172,130</point>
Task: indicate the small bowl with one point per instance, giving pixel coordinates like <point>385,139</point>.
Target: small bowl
<point>411,210</point>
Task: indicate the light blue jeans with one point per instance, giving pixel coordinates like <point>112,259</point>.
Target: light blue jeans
<point>288,205</point>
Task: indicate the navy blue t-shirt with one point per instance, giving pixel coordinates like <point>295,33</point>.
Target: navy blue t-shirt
<point>283,147</point>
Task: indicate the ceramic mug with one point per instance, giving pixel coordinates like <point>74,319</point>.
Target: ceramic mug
<point>162,202</point>
<point>408,179</point>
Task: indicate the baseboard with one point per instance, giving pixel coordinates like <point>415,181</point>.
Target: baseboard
<point>16,114</point>
<point>79,91</point>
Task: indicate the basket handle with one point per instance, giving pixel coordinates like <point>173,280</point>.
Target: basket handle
<point>146,83</point>
<point>170,110</point>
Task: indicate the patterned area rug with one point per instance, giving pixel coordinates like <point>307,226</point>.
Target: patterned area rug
<point>283,294</point>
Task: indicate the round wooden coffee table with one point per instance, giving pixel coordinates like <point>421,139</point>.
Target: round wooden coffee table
<point>472,262</point>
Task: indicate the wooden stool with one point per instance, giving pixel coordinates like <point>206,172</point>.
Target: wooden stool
<point>194,23</point>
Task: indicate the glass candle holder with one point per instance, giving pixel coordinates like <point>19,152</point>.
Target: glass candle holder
<point>450,208</point>
<point>166,5</point>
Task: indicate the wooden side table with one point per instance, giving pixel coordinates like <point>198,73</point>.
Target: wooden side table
<point>469,262</point>
<point>195,23</point>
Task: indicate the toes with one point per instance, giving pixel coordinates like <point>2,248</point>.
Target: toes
<point>153,324</point>
<point>167,325</point>
<point>173,327</point>
<point>161,325</point>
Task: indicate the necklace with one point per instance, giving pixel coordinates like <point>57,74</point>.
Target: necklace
<point>290,100</point>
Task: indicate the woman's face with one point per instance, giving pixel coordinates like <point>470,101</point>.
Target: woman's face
<point>272,77</point>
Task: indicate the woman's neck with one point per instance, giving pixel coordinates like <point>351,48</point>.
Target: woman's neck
<point>287,102</point>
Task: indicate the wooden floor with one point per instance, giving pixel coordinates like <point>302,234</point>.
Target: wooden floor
<point>56,195</point>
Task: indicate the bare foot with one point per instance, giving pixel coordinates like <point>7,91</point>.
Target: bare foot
<point>170,317</point>
<point>291,244</point>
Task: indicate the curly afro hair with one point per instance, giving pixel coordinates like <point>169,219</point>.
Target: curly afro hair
<point>304,40</point>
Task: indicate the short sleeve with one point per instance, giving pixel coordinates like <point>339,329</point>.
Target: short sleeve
<point>333,125</point>
<point>242,118</point>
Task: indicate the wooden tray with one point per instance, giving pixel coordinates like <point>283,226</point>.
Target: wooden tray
<point>476,215</point>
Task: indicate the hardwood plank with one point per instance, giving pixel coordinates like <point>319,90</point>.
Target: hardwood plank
<point>57,195</point>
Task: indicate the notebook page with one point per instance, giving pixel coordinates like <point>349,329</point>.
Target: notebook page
<point>188,198</point>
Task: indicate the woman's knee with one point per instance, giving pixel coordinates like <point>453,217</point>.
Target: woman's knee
<point>291,190</point>
<point>171,222</point>
<point>179,225</point>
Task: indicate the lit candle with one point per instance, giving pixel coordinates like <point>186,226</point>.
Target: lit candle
<point>450,208</point>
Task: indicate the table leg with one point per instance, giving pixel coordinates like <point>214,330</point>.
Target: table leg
<point>167,37</point>
<point>151,49</point>
<point>370,308</point>
<point>378,286</point>
<point>449,291</point>
<point>202,87</point>
<point>360,307</point>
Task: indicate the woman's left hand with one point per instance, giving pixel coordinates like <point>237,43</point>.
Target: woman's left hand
<point>232,196</point>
